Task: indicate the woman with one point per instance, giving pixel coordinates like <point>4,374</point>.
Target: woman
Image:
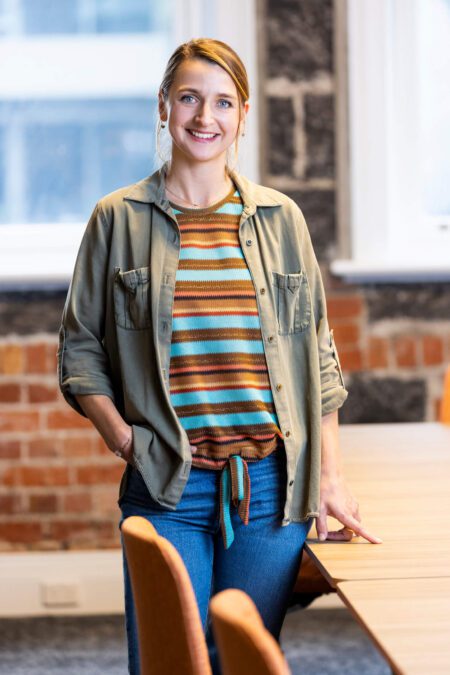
<point>195,338</point>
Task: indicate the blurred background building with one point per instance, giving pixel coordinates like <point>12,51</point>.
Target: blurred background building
<point>349,116</point>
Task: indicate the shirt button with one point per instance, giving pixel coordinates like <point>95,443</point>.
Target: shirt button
<point>249,242</point>
<point>270,338</point>
<point>291,483</point>
<point>279,386</point>
<point>262,291</point>
<point>287,433</point>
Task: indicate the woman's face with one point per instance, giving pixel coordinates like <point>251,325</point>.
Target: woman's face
<point>202,111</point>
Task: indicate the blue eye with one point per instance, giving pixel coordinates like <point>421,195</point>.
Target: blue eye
<point>228,104</point>
<point>185,96</point>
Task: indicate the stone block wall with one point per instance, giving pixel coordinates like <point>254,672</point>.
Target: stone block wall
<point>393,339</point>
<point>58,481</point>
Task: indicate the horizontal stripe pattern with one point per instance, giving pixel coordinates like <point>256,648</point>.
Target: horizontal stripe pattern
<point>219,384</point>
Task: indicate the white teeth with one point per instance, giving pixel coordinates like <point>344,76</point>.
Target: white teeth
<point>200,135</point>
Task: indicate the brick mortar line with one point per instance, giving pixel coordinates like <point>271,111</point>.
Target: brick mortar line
<point>48,517</point>
<point>300,139</point>
<point>30,378</point>
<point>291,183</point>
<point>33,339</point>
<point>433,327</point>
<point>58,462</point>
<point>404,373</point>
<point>282,87</point>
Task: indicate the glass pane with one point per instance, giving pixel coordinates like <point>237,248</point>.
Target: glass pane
<point>434,104</point>
<point>73,152</point>
<point>61,150</point>
<point>53,172</point>
<point>126,153</point>
<point>2,176</point>
<point>47,17</point>
<point>111,17</point>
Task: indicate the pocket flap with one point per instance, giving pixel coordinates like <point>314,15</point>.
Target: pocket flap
<point>290,281</point>
<point>132,278</point>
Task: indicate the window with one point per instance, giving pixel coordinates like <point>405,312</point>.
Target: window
<point>63,154</point>
<point>78,111</point>
<point>399,140</point>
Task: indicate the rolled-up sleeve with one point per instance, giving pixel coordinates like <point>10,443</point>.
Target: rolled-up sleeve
<point>333,391</point>
<point>82,363</point>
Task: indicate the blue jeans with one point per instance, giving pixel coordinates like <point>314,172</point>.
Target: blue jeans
<point>263,560</point>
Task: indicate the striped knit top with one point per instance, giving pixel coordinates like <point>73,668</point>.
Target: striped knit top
<point>218,378</point>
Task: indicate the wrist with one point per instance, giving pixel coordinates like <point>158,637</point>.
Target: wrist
<point>331,472</point>
<point>125,443</point>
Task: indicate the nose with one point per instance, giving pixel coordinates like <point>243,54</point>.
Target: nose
<point>204,115</point>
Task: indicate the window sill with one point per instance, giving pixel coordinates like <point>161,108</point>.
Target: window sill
<point>387,272</point>
<point>40,255</point>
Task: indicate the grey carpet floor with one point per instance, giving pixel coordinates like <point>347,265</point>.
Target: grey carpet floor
<point>315,642</point>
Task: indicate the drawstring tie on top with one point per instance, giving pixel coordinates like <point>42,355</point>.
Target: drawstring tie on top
<point>234,487</point>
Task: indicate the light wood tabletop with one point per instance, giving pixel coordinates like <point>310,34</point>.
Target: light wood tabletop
<point>408,619</point>
<point>400,475</point>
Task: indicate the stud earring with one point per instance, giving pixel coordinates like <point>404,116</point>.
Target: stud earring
<point>163,125</point>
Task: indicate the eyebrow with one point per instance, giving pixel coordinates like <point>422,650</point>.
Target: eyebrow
<point>196,91</point>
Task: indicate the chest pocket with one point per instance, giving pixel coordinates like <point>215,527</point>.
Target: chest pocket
<point>131,298</point>
<point>292,302</point>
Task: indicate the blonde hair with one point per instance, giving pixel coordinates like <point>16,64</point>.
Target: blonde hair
<point>214,51</point>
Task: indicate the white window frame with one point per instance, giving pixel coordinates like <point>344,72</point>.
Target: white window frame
<point>43,255</point>
<point>388,240</point>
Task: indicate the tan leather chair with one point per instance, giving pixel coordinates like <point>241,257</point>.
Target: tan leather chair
<point>444,413</point>
<point>245,646</point>
<point>310,580</point>
<point>171,638</point>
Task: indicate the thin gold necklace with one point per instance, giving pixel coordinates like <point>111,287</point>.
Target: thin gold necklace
<point>192,203</point>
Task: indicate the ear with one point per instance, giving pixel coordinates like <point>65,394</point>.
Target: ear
<point>162,106</point>
<point>244,111</point>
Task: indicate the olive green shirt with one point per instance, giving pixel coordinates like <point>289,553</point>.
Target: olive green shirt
<point>115,334</point>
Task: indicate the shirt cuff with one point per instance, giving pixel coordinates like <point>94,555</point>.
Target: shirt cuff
<point>333,400</point>
<point>83,385</point>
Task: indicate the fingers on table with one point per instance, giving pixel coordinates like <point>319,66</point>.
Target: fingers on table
<point>355,526</point>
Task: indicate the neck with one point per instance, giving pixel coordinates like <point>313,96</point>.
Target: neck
<point>199,183</point>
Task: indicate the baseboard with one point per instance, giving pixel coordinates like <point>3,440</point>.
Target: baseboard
<point>61,583</point>
<point>72,583</point>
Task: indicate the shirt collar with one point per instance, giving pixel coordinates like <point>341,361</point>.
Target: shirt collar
<point>152,190</point>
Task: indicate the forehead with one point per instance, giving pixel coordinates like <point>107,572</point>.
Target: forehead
<point>202,74</point>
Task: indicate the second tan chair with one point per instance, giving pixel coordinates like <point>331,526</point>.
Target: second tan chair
<point>171,638</point>
<point>245,646</point>
<point>444,412</point>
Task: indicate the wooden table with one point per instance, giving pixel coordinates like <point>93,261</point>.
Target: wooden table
<point>398,590</point>
<point>408,619</point>
<point>400,475</point>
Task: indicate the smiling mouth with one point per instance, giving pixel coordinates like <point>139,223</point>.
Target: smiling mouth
<point>201,135</point>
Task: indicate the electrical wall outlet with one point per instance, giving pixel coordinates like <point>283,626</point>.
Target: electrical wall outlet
<point>60,593</point>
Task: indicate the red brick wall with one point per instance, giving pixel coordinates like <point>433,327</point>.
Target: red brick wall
<point>398,349</point>
<point>58,480</point>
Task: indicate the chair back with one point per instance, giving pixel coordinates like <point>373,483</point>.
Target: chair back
<point>245,646</point>
<point>444,415</point>
<point>170,632</point>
